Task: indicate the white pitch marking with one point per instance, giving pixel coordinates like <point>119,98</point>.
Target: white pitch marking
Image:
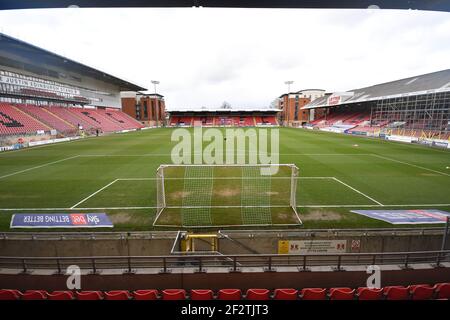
<point>356,190</point>
<point>44,146</point>
<point>37,167</point>
<point>196,153</point>
<point>216,178</point>
<point>375,205</point>
<point>410,164</point>
<point>325,154</point>
<point>93,194</point>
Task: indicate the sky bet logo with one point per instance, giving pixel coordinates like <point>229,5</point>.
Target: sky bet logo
<point>78,219</point>
<point>83,219</point>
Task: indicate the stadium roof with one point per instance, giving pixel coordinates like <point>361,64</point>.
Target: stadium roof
<point>221,110</point>
<point>300,91</point>
<point>427,83</point>
<point>22,48</point>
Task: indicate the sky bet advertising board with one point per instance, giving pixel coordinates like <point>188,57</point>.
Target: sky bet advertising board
<point>60,220</point>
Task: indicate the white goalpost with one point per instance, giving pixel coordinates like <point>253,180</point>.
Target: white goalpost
<point>227,195</point>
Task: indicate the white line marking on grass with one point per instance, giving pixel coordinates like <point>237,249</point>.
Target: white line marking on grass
<point>117,208</point>
<point>37,167</point>
<point>216,178</point>
<point>93,194</point>
<point>302,206</point>
<point>410,164</point>
<point>35,209</point>
<point>325,154</point>
<point>237,153</point>
<point>43,146</point>
<point>373,205</point>
<point>356,190</point>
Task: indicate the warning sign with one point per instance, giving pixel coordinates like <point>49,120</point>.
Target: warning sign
<point>356,245</point>
<point>311,246</point>
<point>283,247</point>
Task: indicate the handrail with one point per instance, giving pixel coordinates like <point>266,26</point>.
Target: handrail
<point>236,255</point>
<point>269,262</point>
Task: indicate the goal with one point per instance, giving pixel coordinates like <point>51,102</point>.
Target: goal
<point>226,195</point>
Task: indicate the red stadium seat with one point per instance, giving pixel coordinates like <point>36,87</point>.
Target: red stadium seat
<point>342,294</point>
<point>61,295</point>
<point>313,294</point>
<point>442,290</point>
<point>174,294</point>
<point>202,294</point>
<point>117,295</point>
<point>285,294</point>
<point>34,295</point>
<point>421,292</point>
<point>229,294</point>
<point>396,293</point>
<point>7,294</point>
<point>369,294</point>
<point>257,294</point>
<point>89,295</point>
<point>145,294</point>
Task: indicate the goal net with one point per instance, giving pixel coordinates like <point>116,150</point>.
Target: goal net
<point>226,195</point>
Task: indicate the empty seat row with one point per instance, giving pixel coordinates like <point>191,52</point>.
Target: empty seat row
<point>14,121</point>
<point>412,292</point>
<point>26,118</point>
<point>240,121</point>
<point>46,117</point>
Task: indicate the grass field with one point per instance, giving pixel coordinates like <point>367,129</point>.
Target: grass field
<point>115,174</point>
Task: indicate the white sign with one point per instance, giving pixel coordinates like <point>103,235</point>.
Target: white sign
<point>401,138</point>
<point>37,85</point>
<point>317,246</point>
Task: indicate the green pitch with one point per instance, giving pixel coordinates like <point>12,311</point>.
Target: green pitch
<point>116,174</point>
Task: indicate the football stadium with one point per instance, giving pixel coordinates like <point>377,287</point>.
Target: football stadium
<point>155,202</point>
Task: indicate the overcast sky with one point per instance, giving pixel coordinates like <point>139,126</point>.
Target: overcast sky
<point>203,57</point>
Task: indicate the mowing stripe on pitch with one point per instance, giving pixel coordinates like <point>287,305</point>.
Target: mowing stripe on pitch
<point>302,206</point>
<point>37,167</point>
<point>410,164</point>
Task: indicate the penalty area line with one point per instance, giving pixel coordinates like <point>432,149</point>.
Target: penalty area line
<point>93,194</point>
<point>357,191</point>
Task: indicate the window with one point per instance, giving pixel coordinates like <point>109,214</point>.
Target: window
<point>296,110</point>
<point>145,109</point>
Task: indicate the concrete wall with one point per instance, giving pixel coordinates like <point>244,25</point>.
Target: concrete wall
<point>78,248</point>
<point>240,244</point>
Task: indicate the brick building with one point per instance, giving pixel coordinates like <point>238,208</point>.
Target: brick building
<point>291,104</point>
<point>149,109</point>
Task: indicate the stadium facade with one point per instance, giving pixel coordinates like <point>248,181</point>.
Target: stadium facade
<point>47,97</point>
<point>415,107</point>
<point>30,74</point>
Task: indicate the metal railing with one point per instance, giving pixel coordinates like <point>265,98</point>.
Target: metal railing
<point>232,263</point>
